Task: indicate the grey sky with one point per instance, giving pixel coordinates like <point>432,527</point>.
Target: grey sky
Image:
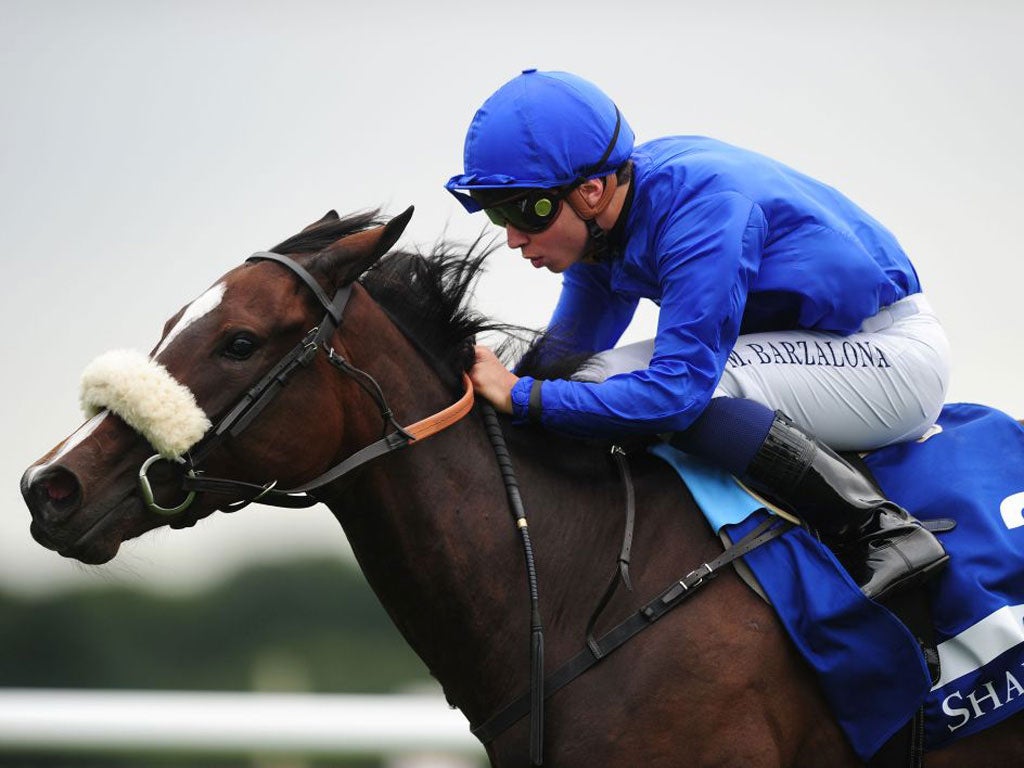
<point>147,147</point>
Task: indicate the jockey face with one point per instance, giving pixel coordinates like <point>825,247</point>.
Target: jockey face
<point>557,247</point>
<point>564,241</point>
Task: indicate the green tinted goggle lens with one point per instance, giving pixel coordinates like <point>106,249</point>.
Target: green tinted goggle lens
<point>532,212</point>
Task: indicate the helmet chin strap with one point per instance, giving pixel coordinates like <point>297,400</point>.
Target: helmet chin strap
<point>596,249</point>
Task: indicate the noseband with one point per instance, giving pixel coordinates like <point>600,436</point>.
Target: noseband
<point>262,393</point>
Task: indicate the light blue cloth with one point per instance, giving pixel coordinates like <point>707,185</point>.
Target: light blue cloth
<point>723,500</point>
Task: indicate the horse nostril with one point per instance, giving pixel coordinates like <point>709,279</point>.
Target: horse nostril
<point>52,494</point>
<point>60,487</point>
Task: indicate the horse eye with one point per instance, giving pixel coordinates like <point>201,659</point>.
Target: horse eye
<point>241,346</point>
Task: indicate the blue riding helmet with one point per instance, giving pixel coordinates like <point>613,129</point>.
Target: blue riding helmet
<point>541,130</point>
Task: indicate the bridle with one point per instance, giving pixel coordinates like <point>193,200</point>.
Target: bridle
<point>261,394</point>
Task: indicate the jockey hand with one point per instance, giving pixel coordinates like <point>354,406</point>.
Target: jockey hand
<point>492,380</point>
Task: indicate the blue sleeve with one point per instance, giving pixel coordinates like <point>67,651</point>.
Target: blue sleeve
<point>705,257</point>
<point>589,317</point>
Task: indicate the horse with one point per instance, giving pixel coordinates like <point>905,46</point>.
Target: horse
<point>713,683</point>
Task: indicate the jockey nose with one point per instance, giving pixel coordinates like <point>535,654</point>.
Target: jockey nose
<point>52,494</point>
<point>516,238</point>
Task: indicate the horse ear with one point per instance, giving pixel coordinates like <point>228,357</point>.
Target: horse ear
<point>331,215</point>
<point>345,260</point>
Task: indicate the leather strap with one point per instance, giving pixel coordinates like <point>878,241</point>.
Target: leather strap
<point>400,438</point>
<point>333,308</point>
<point>441,420</point>
<point>905,748</point>
<point>670,598</point>
<point>621,573</point>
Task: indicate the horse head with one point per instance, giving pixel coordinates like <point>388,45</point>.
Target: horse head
<point>158,411</point>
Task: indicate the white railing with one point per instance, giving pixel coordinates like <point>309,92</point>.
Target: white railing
<point>311,725</point>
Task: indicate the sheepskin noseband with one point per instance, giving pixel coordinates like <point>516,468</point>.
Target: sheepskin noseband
<point>147,397</point>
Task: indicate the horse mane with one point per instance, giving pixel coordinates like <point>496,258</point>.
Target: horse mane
<point>427,296</point>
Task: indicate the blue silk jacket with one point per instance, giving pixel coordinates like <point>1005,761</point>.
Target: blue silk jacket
<point>726,241</point>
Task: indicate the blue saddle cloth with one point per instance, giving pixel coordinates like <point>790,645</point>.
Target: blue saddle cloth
<point>869,666</point>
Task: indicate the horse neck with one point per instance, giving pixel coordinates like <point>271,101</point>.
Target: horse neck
<point>429,525</point>
<point>431,529</point>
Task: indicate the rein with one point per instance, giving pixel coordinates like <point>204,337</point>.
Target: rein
<point>262,393</point>
<point>536,694</point>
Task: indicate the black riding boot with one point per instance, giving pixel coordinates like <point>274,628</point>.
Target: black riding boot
<point>882,546</point>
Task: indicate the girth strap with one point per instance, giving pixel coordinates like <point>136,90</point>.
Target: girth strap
<point>670,598</point>
<point>621,572</point>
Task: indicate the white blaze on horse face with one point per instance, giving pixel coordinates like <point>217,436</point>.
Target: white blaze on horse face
<point>197,309</point>
<point>80,434</point>
<point>75,438</point>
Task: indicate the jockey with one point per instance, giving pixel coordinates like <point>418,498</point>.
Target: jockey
<point>791,323</point>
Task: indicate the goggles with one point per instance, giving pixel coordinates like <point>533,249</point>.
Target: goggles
<point>532,211</point>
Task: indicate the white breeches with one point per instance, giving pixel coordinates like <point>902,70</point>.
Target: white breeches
<point>884,384</point>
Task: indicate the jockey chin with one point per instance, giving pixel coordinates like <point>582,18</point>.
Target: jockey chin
<point>791,323</point>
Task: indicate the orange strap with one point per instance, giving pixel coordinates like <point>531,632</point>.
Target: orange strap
<point>443,419</point>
